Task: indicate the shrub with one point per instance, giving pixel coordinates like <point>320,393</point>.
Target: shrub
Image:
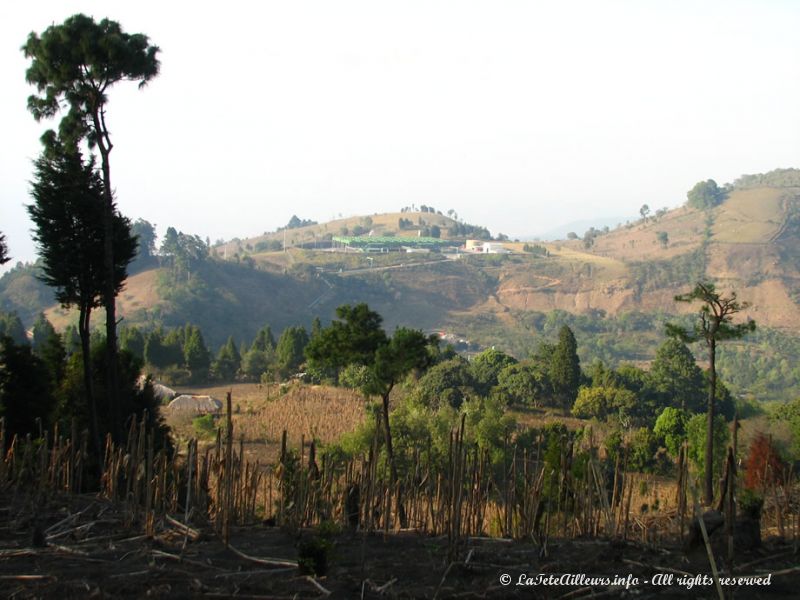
<point>750,503</point>
<point>600,402</point>
<point>354,376</point>
<point>312,555</point>
<point>204,426</point>
<point>671,428</point>
<point>764,465</point>
<point>643,452</point>
<point>696,434</point>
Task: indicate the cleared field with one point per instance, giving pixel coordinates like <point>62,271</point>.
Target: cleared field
<point>605,267</point>
<point>750,216</point>
<point>261,413</point>
<point>639,241</point>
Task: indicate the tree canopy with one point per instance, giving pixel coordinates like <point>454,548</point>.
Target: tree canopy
<point>70,235</point>
<point>289,352</point>
<point>449,382</point>
<point>145,233</point>
<point>486,368</point>
<point>4,258</point>
<point>705,194</point>
<point>676,377</point>
<point>69,231</point>
<point>353,338</point>
<point>565,368</point>
<point>25,394</point>
<point>76,63</point>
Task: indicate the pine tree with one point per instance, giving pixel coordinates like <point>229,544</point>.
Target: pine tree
<point>132,339</point>
<point>4,258</point>
<point>49,347</point>
<point>316,327</point>
<point>74,65</point>
<point>714,325</point>
<point>565,368</point>
<point>11,326</point>
<point>25,393</point>
<point>289,351</point>
<point>676,378</point>
<point>264,339</point>
<point>196,355</point>
<point>68,215</point>
<point>228,361</point>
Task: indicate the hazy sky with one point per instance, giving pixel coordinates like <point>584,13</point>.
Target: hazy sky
<point>519,115</point>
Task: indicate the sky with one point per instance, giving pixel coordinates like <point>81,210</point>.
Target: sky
<point>519,115</point>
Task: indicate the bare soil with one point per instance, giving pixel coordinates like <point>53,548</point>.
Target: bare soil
<point>85,547</point>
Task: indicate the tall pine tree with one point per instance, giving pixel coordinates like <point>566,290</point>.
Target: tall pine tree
<point>565,368</point>
<point>69,233</point>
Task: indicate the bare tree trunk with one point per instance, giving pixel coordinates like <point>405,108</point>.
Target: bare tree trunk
<point>712,393</point>
<point>86,352</point>
<point>109,292</point>
<point>393,478</point>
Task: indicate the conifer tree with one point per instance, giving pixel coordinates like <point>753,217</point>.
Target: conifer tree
<point>228,361</point>
<point>75,64</point>
<point>714,325</point>
<point>69,233</point>
<point>565,368</point>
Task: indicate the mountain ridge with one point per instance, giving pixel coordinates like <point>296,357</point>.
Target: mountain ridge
<point>748,243</point>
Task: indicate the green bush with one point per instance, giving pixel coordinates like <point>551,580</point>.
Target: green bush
<point>670,428</point>
<point>204,426</point>
<point>750,503</point>
<point>355,376</point>
<point>696,434</point>
<point>601,402</point>
<point>644,453</point>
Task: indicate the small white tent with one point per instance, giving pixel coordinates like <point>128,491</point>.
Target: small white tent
<point>162,392</point>
<point>197,404</point>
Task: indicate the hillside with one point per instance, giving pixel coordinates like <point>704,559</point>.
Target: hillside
<point>749,243</point>
<point>606,285</point>
<point>400,224</point>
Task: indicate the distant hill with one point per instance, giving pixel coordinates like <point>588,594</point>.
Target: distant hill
<point>628,276</point>
<point>750,242</point>
<point>21,292</point>
<point>400,224</point>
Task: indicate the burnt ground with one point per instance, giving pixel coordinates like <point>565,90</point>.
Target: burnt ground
<point>85,547</point>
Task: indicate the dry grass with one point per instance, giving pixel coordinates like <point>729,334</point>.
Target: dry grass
<point>750,216</point>
<point>606,267</point>
<point>538,418</point>
<point>140,291</point>
<point>639,241</point>
<point>305,413</point>
<point>262,413</point>
<point>523,496</point>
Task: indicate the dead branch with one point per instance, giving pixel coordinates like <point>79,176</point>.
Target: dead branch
<point>270,562</point>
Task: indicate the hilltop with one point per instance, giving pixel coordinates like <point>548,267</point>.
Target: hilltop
<point>405,224</point>
<point>748,243</point>
<point>605,284</point>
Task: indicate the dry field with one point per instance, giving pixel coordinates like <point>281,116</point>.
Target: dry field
<point>263,412</point>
